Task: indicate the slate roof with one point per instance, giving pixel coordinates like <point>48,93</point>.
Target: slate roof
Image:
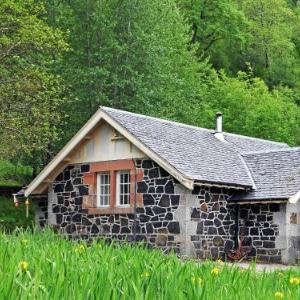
<point>276,174</point>
<point>245,144</point>
<point>195,152</point>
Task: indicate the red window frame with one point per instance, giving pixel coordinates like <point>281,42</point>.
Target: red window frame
<point>111,167</point>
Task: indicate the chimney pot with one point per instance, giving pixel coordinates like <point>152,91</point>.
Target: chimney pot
<point>218,128</point>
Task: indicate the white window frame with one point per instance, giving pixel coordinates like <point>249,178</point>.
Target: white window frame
<point>99,191</point>
<point>118,188</point>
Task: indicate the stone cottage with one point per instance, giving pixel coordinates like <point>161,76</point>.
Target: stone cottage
<point>196,191</point>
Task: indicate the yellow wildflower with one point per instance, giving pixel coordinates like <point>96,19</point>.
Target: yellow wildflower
<point>24,242</point>
<point>294,280</point>
<point>24,265</point>
<point>215,271</point>
<point>80,248</point>
<point>278,295</point>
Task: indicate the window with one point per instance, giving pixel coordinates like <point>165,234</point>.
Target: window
<point>123,188</point>
<point>103,189</point>
<point>112,184</point>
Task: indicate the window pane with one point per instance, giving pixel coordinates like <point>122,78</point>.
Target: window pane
<point>126,199</point>
<point>104,189</point>
<point>123,188</point>
<point>126,189</point>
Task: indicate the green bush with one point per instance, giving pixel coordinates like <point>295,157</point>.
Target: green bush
<point>14,175</point>
<point>12,218</point>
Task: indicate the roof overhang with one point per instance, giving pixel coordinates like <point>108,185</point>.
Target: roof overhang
<point>220,185</point>
<point>262,201</point>
<point>292,199</point>
<point>295,198</point>
<point>41,181</point>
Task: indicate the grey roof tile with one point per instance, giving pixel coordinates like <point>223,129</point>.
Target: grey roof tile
<point>195,152</point>
<point>245,144</point>
<point>276,174</point>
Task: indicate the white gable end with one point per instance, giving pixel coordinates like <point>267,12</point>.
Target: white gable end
<point>89,145</point>
<point>104,143</point>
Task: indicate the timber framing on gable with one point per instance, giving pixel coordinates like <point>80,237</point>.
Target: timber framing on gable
<point>40,183</point>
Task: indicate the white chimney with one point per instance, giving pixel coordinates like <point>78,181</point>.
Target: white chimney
<point>218,127</point>
<point>218,122</point>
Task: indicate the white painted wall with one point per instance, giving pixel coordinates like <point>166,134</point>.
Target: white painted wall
<point>280,218</point>
<point>293,233</point>
<point>52,199</point>
<point>102,145</point>
<point>183,215</point>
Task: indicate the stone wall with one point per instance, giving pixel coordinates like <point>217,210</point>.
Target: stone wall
<point>41,215</point>
<point>198,223</point>
<point>215,223</point>
<point>156,217</point>
<point>260,230</point>
<point>154,222</point>
<point>292,232</point>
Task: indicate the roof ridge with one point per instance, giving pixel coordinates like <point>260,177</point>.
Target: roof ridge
<point>158,119</point>
<point>192,126</point>
<point>255,138</point>
<point>271,151</point>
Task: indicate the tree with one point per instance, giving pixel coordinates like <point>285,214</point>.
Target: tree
<point>217,26</point>
<point>249,108</point>
<point>138,55</point>
<point>30,94</point>
<point>272,50</point>
<point>127,54</point>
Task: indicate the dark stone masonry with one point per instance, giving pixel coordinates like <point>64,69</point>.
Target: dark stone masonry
<point>215,223</point>
<point>208,231</point>
<point>153,222</point>
<point>257,226</point>
<point>42,211</point>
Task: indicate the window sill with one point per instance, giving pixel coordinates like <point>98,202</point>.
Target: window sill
<point>110,210</point>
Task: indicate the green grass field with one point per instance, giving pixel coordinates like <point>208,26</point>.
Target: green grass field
<point>47,266</point>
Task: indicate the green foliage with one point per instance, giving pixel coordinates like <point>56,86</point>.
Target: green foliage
<point>14,175</point>
<point>126,54</point>
<point>251,109</point>
<point>234,33</point>
<point>213,23</point>
<point>176,59</point>
<point>271,47</point>
<point>48,266</point>
<point>12,218</point>
<point>30,94</point>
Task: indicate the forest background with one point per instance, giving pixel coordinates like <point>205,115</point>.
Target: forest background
<point>183,60</point>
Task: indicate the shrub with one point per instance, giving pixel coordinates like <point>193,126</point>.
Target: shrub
<point>12,218</point>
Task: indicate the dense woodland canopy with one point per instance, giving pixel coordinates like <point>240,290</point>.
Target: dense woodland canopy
<point>178,59</point>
